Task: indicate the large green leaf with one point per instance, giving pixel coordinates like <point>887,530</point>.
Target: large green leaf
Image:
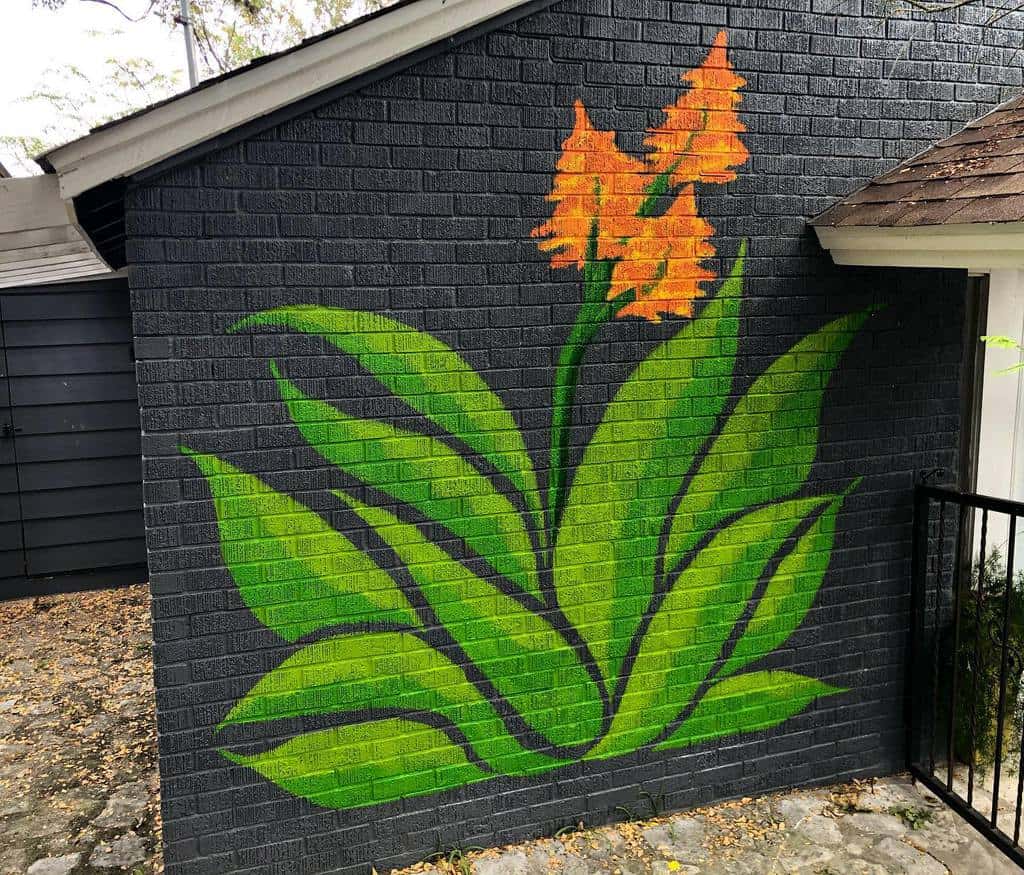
<point>607,545</point>
<point>423,472</point>
<point>366,764</point>
<point>428,376</point>
<point>789,594</point>
<point>687,633</point>
<point>390,670</point>
<point>748,703</point>
<point>522,655</point>
<point>295,572</point>
<point>768,443</point>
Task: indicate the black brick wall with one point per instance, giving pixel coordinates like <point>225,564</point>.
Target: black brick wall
<point>414,197</point>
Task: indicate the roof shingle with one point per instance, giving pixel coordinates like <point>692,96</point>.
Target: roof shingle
<point>975,175</point>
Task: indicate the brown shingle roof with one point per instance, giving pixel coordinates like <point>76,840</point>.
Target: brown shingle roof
<point>976,175</point>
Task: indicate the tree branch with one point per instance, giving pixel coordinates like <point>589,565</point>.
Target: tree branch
<point>121,12</point>
<point>1000,14</point>
<point>205,42</point>
<point>940,6</point>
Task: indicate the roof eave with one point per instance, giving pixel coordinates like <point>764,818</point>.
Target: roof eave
<point>140,141</point>
<point>40,238</point>
<point>979,246</point>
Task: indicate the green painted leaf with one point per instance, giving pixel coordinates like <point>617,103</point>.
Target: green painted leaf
<point>427,375</point>
<point>607,545</point>
<point>748,703</point>
<point>423,472</point>
<point>295,572</point>
<point>686,635</point>
<point>1000,341</point>
<point>768,443</point>
<point>365,764</point>
<point>366,671</point>
<point>789,594</point>
<point>528,662</point>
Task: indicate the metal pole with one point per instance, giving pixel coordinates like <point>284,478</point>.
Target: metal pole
<point>1004,665</point>
<point>190,53</point>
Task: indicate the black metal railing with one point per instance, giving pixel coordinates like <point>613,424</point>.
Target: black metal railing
<point>965,697</point>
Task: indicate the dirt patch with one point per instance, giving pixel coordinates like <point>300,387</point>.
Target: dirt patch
<point>78,763</point>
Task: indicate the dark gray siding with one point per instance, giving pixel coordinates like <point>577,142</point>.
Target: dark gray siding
<point>70,471</point>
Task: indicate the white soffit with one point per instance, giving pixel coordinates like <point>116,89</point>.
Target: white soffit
<point>980,246</point>
<point>140,141</point>
<point>40,241</point>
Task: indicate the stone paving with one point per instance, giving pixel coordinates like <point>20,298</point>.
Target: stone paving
<point>883,827</point>
<point>79,793</point>
<point>78,782</point>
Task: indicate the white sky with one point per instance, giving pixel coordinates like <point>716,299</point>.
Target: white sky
<point>35,40</point>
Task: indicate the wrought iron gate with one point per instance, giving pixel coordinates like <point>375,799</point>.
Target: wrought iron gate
<point>965,697</point>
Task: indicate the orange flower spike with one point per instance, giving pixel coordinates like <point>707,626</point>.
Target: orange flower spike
<point>594,181</point>
<point>699,135</point>
<point>663,265</point>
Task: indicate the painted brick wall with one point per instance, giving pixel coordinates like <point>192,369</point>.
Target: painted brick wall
<point>414,197</point>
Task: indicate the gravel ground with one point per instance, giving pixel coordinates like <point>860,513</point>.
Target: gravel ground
<point>79,792</point>
<point>78,779</point>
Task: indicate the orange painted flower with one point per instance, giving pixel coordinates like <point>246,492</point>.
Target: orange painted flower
<point>596,185</point>
<point>663,265</point>
<point>699,139</point>
<point>605,209</point>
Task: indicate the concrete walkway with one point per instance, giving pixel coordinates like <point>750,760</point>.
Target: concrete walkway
<point>870,828</point>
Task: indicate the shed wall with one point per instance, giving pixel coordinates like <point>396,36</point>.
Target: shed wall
<point>70,451</point>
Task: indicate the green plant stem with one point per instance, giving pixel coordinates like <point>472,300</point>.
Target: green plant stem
<point>660,187</point>
<point>592,315</point>
<point>596,310</point>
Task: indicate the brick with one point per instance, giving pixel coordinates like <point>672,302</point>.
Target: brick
<point>415,198</point>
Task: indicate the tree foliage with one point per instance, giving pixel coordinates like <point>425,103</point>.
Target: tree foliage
<point>230,33</point>
<point>74,102</point>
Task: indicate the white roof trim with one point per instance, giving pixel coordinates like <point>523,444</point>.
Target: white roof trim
<point>980,247</point>
<point>146,139</point>
<point>40,240</point>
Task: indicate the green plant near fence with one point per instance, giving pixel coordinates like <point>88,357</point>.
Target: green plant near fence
<point>983,601</point>
<point>479,625</point>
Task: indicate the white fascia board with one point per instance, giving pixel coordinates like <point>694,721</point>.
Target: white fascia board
<point>981,246</point>
<point>50,250</point>
<point>39,235</point>
<point>60,273</point>
<point>32,203</point>
<point>84,274</point>
<point>83,255</point>
<point>141,141</point>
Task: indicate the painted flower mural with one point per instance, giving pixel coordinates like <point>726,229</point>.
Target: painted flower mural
<point>624,607</point>
<point>608,200</point>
